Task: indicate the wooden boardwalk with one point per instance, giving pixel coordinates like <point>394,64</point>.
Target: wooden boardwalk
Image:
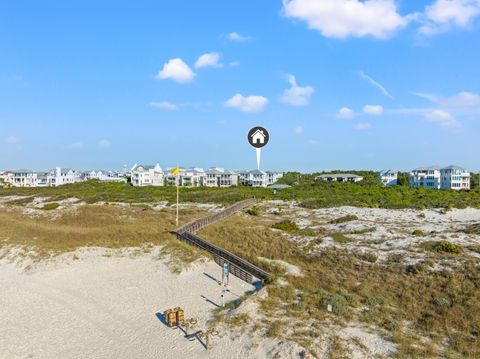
<point>237,266</point>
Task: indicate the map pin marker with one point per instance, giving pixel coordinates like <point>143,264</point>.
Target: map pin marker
<point>258,137</point>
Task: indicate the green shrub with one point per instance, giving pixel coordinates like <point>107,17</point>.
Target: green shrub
<point>254,211</point>
<point>447,247</point>
<point>307,232</point>
<point>441,302</point>
<point>288,226</point>
<point>372,301</point>
<point>419,233</point>
<point>348,218</point>
<point>363,231</point>
<point>339,237</point>
<point>50,206</point>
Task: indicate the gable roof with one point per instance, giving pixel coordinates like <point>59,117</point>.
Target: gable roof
<point>260,132</point>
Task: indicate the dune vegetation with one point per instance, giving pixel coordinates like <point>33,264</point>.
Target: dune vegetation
<point>304,189</point>
<point>416,308</point>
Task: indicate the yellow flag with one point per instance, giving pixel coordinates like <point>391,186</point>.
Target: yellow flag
<point>174,171</point>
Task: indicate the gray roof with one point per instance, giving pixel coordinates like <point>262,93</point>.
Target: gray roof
<point>23,170</point>
<point>386,172</point>
<point>214,171</point>
<point>257,172</point>
<point>453,167</point>
<point>279,186</point>
<point>337,175</point>
<point>430,168</point>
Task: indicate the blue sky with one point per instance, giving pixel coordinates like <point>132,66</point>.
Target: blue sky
<point>340,84</point>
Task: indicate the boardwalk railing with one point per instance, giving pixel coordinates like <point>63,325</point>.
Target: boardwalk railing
<point>198,224</point>
<point>237,266</point>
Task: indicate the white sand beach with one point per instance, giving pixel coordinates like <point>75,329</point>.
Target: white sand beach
<point>101,306</point>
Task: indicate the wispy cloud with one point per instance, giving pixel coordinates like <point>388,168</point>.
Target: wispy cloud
<point>299,130</point>
<point>296,95</point>
<point>234,63</point>
<point>427,96</point>
<point>104,143</point>
<point>76,145</point>
<point>235,36</point>
<point>211,59</point>
<point>363,126</point>
<point>373,110</point>
<point>443,15</point>
<point>442,118</point>
<point>247,103</point>
<point>345,113</point>
<point>164,105</point>
<point>374,83</point>
<point>462,99</point>
<point>313,142</point>
<point>13,140</point>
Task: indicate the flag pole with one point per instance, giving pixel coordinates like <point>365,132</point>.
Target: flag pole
<point>178,170</point>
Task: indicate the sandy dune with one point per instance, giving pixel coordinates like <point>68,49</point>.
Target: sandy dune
<point>105,307</point>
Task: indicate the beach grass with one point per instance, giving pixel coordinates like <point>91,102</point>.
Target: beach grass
<point>414,305</point>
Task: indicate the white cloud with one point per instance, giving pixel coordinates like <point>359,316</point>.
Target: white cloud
<point>373,110</point>
<point>164,105</point>
<point>247,103</point>
<point>442,15</point>
<point>210,59</point>
<point>313,142</point>
<point>374,83</point>
<point>296,95</point>
<point>234,63</point>
<point>462,99</point>
<point>442,118</point>
<point>363,126</point>
<point>76,145</point>
<point>235,36</point>
<point>344,18</point>
<point>427,96</point>
<point>13,140</point>
<point>177,70</point>
<point>104,143</point>
<point>345,113</point>
<point>299,130</point>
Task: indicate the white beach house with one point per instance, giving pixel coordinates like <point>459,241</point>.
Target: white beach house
<point>105,176</point>
<point>427,177</point>
<point>61,176</point>
<point>455,177</point>
<point>21,178</point>
<point>219,177</point>
<point>147,175</point>
<point>388,178</point>
<point>192,177</point>
<point>339,177</point>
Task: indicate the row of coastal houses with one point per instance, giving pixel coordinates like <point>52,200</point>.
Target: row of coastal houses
<point>433,177</point>
<point>55,177</point>
<point>142,175</point>
<point>153,175</point>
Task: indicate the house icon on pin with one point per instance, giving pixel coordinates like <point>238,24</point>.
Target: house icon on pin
<point>258,137</point>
